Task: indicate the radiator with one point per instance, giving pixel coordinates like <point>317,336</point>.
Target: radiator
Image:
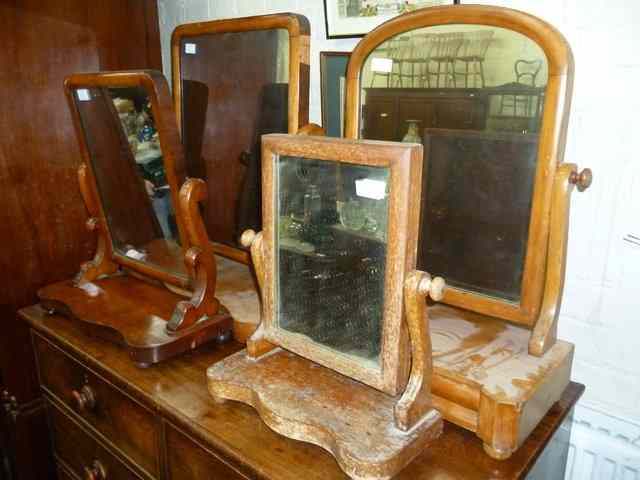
<point>602,447</point>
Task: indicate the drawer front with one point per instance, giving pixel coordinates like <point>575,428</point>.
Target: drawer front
<point>188,460</point>
<point>80,452</point>
<point>124,422</point>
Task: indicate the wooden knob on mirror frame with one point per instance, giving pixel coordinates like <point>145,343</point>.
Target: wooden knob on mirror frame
<point>247,238</point>
<point>434,287</point>
<point>84,399</point>
<point>436,291</point>
<point>95,471</point>
<point>582,180</point>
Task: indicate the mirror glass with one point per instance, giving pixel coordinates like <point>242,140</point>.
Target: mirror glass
<point>473,95</point>
<point>234,89</point>
<point>127,163</point>
<point>330,254</point>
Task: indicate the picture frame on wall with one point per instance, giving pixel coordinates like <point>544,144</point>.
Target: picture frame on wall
<point>356,18</point>
<point>333,77</point>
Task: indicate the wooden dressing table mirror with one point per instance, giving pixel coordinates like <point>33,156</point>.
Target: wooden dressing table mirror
<point>495,200</point>
<point>342,358</point>
<point>233,81</point>
<point>151,284</point>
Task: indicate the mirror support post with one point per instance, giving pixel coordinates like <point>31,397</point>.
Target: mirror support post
<point>102,262</point>
<point>199,259</point>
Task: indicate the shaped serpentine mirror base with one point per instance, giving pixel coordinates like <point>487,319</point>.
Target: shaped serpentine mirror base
<point>352,421</point>
<point>134,314</point>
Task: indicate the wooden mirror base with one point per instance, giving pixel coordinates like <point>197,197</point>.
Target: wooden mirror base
<point>134,314</point>
<point>485,380</point>
<point>352,421</point>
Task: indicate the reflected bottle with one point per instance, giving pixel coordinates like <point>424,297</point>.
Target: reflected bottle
<point>312,205</point>
<point>413,134</point>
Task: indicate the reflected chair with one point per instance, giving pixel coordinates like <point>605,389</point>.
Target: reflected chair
<point>472,53</point>
<point>444,50</point>
<point>415,58</point>
<point>394,52</point>
<point>526,74</point>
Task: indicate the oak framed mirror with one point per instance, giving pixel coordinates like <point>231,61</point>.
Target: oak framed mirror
<point>342,357</point>
<point>234,80</point>
<point>339,238</point>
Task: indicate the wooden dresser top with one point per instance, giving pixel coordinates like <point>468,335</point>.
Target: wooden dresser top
<point>177,390</point>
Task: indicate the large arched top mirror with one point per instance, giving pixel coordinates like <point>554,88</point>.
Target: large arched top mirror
<point>233,81</point>
<point>486,91</point>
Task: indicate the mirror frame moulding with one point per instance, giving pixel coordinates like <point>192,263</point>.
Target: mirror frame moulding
<point>405,169</point>
<point>154,83</point>
<point>551,145</point>
<point>299,74</point>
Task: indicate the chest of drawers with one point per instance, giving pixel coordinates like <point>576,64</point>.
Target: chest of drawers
<point>112,420</point>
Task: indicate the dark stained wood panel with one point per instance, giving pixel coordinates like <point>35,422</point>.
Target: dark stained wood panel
<point>43,238</point>
<point>41,213</point>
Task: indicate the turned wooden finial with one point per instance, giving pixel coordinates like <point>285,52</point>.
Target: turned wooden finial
<point>247,238</point>
<point>434,287</point>
<point>582,180</point>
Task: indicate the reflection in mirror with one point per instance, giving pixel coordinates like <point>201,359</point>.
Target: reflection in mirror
<point>331,244</point>
<point>473,95</point>
<point>127,164</point>
<point>234,89</point>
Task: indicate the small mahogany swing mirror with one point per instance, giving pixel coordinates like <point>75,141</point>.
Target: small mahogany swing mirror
<point>152,247</point>
<point>348,366</point>
<point>234,80</point>
<point>487,91</point>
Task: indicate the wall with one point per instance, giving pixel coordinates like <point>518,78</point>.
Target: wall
<point>601,308</point>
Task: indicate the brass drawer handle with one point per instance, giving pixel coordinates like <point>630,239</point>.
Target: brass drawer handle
<point>95,471</point>
<point>84,399</point>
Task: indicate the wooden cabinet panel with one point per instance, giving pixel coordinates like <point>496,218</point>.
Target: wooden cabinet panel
<point>80,451</point>
<point>387,110</point>
<point>457,114</point>
<point>415,109</point>
<point>128,425</point>
<point>188,460</point>
<point>43,217</point>
<point>381,119</point>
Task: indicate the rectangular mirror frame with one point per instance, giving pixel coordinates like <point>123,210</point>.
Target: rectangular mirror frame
<point>404,162</point>
<point>158,90</point>
<point>299,72</point>
<point>551,147</point>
